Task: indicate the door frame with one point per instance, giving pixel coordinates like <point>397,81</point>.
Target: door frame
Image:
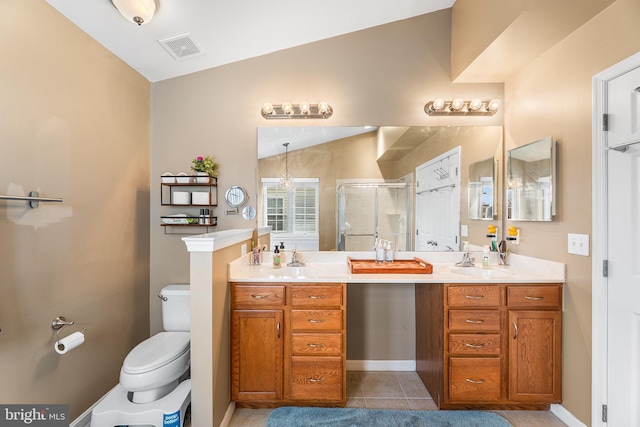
<point>599,300</point>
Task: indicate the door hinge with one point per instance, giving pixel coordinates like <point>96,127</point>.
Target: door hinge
<point>605,122</point>
<point>417,184</point>
<point>604,413</point>
<point>605,268</point>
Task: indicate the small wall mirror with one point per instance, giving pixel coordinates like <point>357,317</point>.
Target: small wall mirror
<point>482,178</point>
<point>531,181</point>
<point>236,197</point>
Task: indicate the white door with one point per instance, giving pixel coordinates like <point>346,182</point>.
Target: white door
<point>623,239</point>
<point>438,203</point>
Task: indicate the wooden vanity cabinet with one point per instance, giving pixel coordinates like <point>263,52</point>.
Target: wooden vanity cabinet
<point>288,344</point>
<point>490,346</point>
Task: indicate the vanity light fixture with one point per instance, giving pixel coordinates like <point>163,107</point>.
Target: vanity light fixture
<point>138,11</point>
<point>304,110</point>
<point>460,107</point>
<point>286,180</point>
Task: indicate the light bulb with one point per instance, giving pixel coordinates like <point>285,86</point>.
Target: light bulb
<point>267,108</point>
<point>494,104</point>
<point>323,107</point>
<point>304,107</point>
<point>475,104</point>
<point>457,104</point>
<point>287,108</point>
<point>437,104</point>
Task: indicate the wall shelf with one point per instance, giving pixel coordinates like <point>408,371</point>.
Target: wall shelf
<point>188,195</point>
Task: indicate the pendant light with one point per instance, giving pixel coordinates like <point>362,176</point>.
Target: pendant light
<point>286,180</point>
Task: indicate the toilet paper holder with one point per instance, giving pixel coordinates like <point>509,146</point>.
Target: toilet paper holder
<point>59,323</point>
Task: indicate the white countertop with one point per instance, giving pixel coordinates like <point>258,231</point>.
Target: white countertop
<point>327,267</point>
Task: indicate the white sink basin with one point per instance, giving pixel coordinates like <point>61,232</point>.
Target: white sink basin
<point>485,273</point>
<point>294,272</point>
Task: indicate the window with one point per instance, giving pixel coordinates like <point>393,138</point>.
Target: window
<point>294,211</point>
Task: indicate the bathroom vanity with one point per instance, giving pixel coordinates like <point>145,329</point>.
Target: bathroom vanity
<point>484,338</point>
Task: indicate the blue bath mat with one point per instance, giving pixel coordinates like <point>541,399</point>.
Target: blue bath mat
<point>290,416</point>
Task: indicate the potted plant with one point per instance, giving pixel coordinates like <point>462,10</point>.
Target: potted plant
<point>206,167</point>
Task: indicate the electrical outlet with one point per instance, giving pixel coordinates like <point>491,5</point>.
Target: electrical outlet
<point>243,249</point>
<point>464,231</point>
<point>578,244</point>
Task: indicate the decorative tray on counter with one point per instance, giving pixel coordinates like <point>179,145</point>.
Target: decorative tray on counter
<point>402,266</point>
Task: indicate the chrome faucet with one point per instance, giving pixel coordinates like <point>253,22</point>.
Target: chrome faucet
<point>467,260</point>
<point>294,260</point>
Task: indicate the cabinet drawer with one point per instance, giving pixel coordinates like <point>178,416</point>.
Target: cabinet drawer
<point>474,320</point>
<point>258,296</point>
<point>316,320</point>
<point>473,296</point>
<point>474,379</point>
<point>474,344</point>
<point>328,343</point>
<point>316,295</point>
<point>534,296</point>
<point>316,378</point>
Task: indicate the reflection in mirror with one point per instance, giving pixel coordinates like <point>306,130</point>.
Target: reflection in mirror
<point>531,181</point>
<point>481,189</point>
<point>384,154</point>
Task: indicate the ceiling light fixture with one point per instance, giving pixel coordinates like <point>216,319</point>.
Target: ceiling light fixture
<point>138,11</point>
<point>459,107</point>
<point>286,180</point>
<point>304,110</point>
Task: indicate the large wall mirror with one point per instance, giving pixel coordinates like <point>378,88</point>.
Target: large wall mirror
<point>531,181</point>
<point>334,158</point>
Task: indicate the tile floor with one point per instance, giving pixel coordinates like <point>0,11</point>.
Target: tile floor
<point>394,390</point>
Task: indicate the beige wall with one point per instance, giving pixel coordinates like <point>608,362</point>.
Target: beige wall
<point>74,123</point>
<point>552,96</point>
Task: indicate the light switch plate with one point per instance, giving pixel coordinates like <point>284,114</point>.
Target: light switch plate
<point>464,231</point>
<point>578,244</point>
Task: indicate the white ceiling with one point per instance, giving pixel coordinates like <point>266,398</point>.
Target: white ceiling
<point>230,31</point>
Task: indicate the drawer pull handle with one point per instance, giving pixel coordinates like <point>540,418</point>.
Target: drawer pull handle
<point>313,345</point>
<point>278,328</point>
<point>469,380</point>
<point>474,345</point>
<point>474,297</point>
<point>315,381</point>
<point>317,320</point>
<point>317,296</point>
<point>260,296</point>
<point>533,298</point>
<point>474,321</point>
<point>515,326</point>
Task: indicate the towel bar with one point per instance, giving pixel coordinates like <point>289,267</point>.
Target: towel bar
<point>33,199</point>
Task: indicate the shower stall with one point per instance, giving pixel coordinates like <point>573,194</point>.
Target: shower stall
<point>368,210</point>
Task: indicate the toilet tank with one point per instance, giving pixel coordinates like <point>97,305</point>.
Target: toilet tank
<point>176,309</point>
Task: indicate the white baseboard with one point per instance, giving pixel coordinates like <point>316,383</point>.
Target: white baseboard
<point>227,415</point>
<point>565,416</point>
<point>381,365</point>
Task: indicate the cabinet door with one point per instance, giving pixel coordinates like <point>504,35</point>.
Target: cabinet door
<point>256,355</point>
<point>535,356</point>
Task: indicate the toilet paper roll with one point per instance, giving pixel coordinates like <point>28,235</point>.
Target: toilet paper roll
<point>67,344</point>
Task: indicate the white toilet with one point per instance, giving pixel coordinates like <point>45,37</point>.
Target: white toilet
<point>154,387</point>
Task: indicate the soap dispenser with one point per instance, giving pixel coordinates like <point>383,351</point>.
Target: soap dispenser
<point>277,262</point>
<point>486,257</point>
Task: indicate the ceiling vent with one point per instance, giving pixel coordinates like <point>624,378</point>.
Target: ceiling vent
<point>181,47</point>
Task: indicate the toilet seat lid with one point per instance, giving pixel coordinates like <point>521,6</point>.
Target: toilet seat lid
<point>156,351</point>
